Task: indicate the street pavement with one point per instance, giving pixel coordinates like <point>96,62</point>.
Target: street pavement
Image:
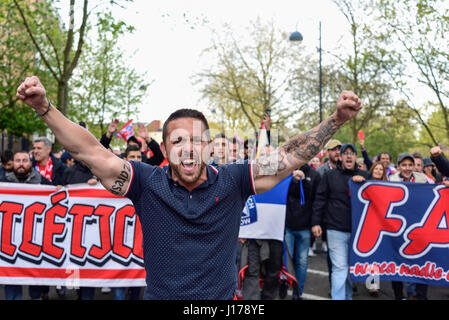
<point>317,284</point>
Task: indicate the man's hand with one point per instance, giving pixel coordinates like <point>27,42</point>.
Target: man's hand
<point>112,128</point>
<point>317,231</point>
<point>298,175</point>
<point>358,179</point>
<point>362,143</point>
<point>348,105</point>
<point>33,94</point>
<point>435,152</point>
<point>143,131</point>
<point>267,121</point>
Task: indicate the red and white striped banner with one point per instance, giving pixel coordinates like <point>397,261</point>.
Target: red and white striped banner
<point>76,236</point>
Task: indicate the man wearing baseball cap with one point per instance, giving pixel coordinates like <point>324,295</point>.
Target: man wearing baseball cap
<point>333,154</point>
<point>332,212</point>
<point>406,164</point>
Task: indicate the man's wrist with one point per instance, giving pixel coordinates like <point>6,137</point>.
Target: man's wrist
<point>47,108</point>
<point>337,120</point>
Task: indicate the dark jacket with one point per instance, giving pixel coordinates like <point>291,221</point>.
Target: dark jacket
<point>79,173</point>
<point>299,217</point>
<point>155,160</point>
<point>58,170</point>
<point>33,178</point>
<point>442,164</point>
<point>332,205</point>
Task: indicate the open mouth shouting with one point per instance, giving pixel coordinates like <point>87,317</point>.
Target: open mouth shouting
<point>189,165</point>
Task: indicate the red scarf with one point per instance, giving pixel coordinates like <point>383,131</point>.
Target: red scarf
<point>46,170</point>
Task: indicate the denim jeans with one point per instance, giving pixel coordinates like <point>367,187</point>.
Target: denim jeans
<point>338,243</point>
<point>120,293</point>
<point>298,243</point>
<point>13,292</point>
<point>86,293</point>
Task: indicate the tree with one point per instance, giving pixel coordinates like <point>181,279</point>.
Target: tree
<point>59,46</point>
<point>17,58</point>
<point>419,28</point>
<point>359,67</point>
<point>247,80</point>
<point>104,87</point>
<point>364,70</point>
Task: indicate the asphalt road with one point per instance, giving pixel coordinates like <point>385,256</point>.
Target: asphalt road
<point>316,286</point>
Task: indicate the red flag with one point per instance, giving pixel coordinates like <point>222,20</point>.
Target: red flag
<point>126,131</point>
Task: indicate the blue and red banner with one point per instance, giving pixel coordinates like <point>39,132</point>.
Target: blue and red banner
<point>400,232</point>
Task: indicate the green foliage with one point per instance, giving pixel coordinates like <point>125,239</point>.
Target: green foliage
<point>17,60</point>
<point>248,77</point>
<point>104,87</point>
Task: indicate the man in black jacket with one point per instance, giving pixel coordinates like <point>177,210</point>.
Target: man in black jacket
<point>298,220</point>
<point>157,157</point>
<point>332,209</point>
<point>436,155</point>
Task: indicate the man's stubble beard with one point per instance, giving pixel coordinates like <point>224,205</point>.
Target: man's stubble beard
<point>194,178</point>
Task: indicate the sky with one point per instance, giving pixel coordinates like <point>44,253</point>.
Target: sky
<point>169,48</point>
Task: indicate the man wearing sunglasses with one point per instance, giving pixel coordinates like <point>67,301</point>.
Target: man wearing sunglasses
<point>332,210</point>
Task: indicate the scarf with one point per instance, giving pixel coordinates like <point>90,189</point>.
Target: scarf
<point>47,170</point>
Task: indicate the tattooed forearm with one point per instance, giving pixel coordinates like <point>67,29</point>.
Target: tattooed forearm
<point>307,145</point>
<point>298,150</point>
<point>117,186</point>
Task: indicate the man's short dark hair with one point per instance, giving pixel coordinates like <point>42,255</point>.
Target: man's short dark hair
<point>131,148</point>
<point>6,156</point>
<point>184,113</point>
<point>418,155</point>
<point>135,140</point>
<point>220,135</point>
<point>388,154</point>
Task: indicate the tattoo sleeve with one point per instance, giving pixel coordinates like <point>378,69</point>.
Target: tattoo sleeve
<point>121,179</point>
<point>297,151</point>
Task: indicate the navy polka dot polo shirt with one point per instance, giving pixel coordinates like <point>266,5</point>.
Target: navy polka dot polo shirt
<point>190,238</point>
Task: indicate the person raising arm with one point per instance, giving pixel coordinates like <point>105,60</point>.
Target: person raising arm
<point>270,169</point>
<point>113,172</point>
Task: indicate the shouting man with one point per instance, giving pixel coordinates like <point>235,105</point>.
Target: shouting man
<point>189,211</point>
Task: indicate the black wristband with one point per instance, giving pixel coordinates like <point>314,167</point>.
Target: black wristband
<point>48,109</point>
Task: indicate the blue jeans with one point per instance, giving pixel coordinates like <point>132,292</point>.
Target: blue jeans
<point>338,243</point>
<point>298,243</point>
<point>120,293</point>
<point>86,293</point>
<point>13,292</point>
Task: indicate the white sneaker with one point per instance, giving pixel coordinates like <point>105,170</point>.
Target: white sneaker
<point>324,247</point>
<point>105,290</point>
<point>311,253</point>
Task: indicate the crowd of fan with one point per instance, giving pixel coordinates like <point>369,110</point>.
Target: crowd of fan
<point>303,223</point>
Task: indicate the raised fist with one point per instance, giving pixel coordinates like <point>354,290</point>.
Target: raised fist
<point>32,93</point>
<point>348,105</point>
<point>435,151</point>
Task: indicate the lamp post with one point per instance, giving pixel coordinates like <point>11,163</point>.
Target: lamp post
<point>297,37</point>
